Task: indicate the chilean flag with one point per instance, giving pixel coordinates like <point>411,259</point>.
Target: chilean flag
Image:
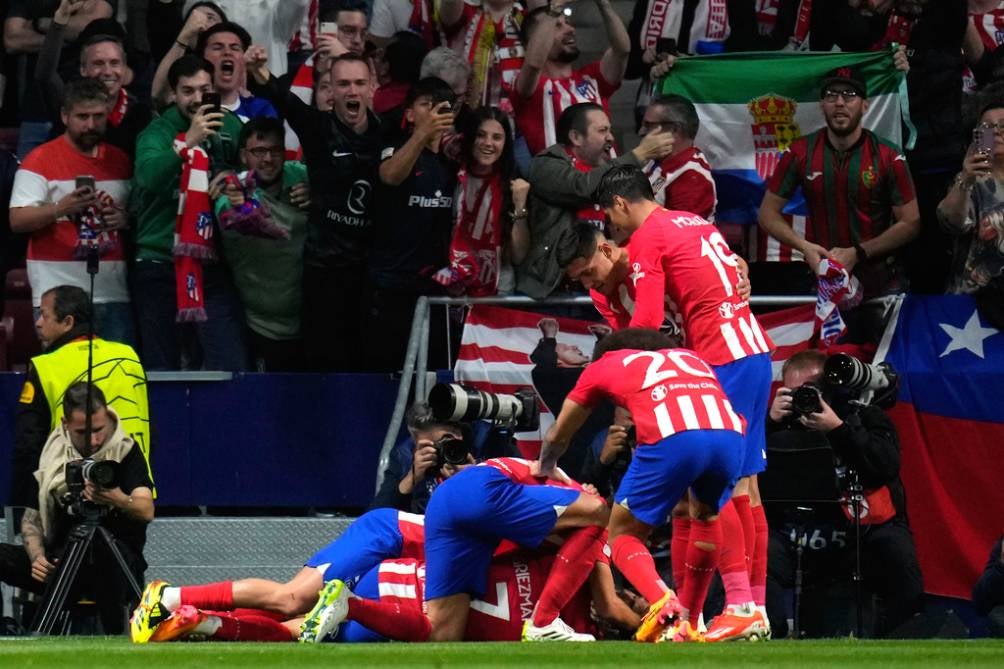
<point>951,428</point>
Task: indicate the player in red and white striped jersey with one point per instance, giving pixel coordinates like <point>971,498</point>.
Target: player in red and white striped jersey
<point>689,437</point>
<point>681,257</point>
<point>547,84</point>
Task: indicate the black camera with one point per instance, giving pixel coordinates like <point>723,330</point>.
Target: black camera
<point>101,473</point>
<point>455,403</point>
<point>451,450</point>
<point>805,400</point>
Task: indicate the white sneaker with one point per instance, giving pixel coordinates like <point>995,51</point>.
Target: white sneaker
<point>556,630</point>
<point>331,609</point>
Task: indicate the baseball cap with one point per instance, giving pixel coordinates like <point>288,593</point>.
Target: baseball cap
<point>845,76</point>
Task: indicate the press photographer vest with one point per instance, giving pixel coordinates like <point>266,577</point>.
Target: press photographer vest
<point>117,372</point>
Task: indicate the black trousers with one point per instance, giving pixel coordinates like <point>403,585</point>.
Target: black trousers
<point>332,316</point>
<point>99,579</point>
<point>888,564</point>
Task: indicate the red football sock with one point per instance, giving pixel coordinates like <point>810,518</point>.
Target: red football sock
<point>732,565</point>
<point>742,504</point>
<point>390,619</point>
<point>634,561</point>
<point>701,565</point>
<point>249,625</point>
<point>678,549</point>
<point>572,566</point>
<point>214,596</point>
<point>259,612</point>
<point>758,580</point>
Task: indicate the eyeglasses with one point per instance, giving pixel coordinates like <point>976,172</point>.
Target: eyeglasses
<point>996,127</point>
<point>262,151</point>
<point>847,95</point>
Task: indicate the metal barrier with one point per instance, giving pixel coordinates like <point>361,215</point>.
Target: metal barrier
<point>416,359</point>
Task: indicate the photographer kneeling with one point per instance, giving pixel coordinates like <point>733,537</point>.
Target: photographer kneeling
<point>809,414</point>
<point>67,492</point>
<point>436,450</point>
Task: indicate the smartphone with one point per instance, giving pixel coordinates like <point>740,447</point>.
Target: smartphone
<point>665,45</point>
<point>212,99</point>
<point>983,140</point>
<point>86,181</point>
<point>329,28</point>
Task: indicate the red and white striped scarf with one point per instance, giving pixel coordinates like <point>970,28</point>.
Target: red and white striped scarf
<point>476,246</point>
<point>120,109</point>
<point>494,52</point>
<point>193,230</point>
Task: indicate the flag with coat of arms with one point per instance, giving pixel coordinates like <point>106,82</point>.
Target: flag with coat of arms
<point>752,106</point>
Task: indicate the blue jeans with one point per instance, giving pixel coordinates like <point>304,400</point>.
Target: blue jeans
<point>162,338</point>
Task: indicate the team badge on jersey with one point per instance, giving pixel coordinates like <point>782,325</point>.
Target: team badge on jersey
<point>868,178</point>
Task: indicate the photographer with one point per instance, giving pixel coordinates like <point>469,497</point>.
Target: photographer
<point>423,461</point>
<point>64,493</point>
<point>805,415</point>
<point>610,454</point>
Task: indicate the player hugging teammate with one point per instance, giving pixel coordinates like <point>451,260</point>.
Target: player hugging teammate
<point>516,549</point>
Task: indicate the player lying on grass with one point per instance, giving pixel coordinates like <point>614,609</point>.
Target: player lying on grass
<point>387,604</point>
<point>689,437</point>
<point>375,536</point>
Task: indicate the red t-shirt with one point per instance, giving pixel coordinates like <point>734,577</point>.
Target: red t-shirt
<point>537,116</point>
<point>667,392</point>
<point>683,182</point>
<point>680,256</point>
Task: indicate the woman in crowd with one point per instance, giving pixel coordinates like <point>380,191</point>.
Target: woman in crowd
<point>490,234</point>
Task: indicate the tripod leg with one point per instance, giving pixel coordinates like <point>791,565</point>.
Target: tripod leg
<point>137,592</point>
<point>59,588</point>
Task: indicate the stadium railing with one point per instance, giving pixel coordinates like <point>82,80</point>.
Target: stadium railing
<point>416,360</point>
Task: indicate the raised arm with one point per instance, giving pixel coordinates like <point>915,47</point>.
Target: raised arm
<point>615,58</point>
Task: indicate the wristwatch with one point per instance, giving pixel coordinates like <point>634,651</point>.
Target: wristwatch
<point>861,253</point>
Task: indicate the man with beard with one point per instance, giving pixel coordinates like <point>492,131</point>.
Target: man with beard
<point>65,218</point>
<point>562,183</point>
<point>547,82</point>
<point>158,173</point>
<point>861,200</point>
<point>224,45</point>
<point>102,57</point>
<point>340,150</point>
<point>267,265</point>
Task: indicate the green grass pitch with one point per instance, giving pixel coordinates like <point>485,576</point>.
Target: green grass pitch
<point>118,653</point>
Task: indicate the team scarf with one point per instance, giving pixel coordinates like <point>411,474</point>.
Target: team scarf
<point>90,232</point>
<point>119,110</point>
<point>476,246</point>
<point>766,16</point>
<point>302,87</point>
<point>837,289</point>
<point>253,218</point>
<point>494,52</point>
<point>193,231</point>
<point>424,21</point>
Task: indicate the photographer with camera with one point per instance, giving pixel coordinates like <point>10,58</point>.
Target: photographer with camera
<point>817,407</point>
<point>610,454</point>
<point>436,450</point>
<point>105,476</point>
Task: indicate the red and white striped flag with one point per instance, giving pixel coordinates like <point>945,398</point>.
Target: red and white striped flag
<point>497,344</point>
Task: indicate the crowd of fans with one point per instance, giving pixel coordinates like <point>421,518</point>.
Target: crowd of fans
<point>267,187</point>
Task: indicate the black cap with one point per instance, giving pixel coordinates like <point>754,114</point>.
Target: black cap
<point>847,77</point>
